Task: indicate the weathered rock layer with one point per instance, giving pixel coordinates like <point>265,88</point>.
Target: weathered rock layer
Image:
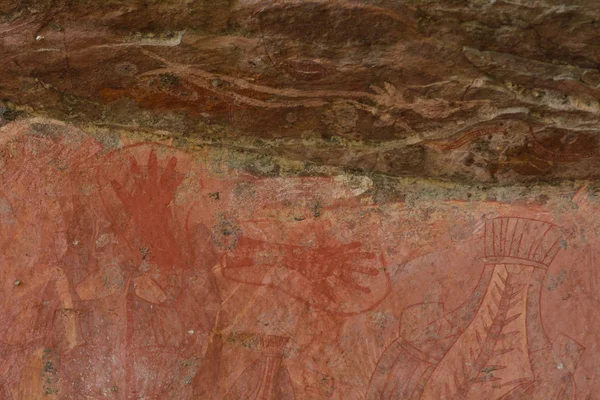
<point>490,91</point>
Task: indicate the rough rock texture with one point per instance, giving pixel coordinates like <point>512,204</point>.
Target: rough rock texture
<point>135,270</point>
<point>299,199</point>
<point>490,91</point>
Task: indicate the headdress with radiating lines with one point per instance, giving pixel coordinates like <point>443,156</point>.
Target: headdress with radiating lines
<point>274,345</point>
<point>512,240</point>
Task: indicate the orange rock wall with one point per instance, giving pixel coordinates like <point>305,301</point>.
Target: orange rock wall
<point>142,271</point>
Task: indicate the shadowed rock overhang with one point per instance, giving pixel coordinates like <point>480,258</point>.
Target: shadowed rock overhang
<point>498,92</point>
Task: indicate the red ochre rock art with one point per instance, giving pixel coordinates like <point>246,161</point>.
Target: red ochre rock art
<point>266,378</point>
<point>312,265</point>
<point>147,272</point>
<point>494,345</point>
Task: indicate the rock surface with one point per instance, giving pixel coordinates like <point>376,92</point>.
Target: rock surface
<point>481,90</point>
<point>299,199</point>
<point>133,269</point>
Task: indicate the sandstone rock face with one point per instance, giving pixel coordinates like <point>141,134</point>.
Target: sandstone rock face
<point>480,90</point>
<point>135,270</point>
<point>299,199</point>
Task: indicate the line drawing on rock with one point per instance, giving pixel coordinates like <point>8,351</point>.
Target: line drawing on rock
<point>494,345</point>
<point>325,276</point>
<point>267,378</point>
<point>170,293</point>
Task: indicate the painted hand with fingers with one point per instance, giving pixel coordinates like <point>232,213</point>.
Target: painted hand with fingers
<point>340,278</point>
<point>146,198</point>
<point>328,265</point>
<point>150,192</point>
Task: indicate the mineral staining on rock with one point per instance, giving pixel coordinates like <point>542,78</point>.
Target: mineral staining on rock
<point>355,85</point>
<point>126,275</point>
<point>299,200</point>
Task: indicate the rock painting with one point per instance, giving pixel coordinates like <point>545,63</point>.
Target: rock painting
<point>312,265</point>
<point>138,270</point>
<point>494,345</point>
<point>265,378</point>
